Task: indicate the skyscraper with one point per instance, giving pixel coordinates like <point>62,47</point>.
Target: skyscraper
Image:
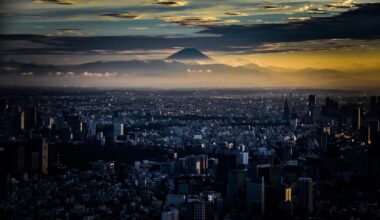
<point>311,108</point>
<point>357,118</point>
<point>305,194</point>
<point>22,121</point>
<point>37,156</point>
<point>172,214</point>
<point>255,196</point>
<point>199,210</point>
<point>118,129</point>
<point>286,111</point>
<point>235,185</point>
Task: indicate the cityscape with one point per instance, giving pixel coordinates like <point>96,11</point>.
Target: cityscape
<point>189,110</point>
<point>189,154</point>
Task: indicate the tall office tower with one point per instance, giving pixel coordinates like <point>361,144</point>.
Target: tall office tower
<point>31,118</point>
<point>369,135</point>
<point>118,129</point>
<point>199,210</point>
<point>357,118</point>
<point>305,194</point>
<point>225,162</point>
<point>235,186</point>
<point>91,128</point>
<point>75,125</point>
<point>38,156</point>
<point>204,163</point>
<point>3,172</point>
<point>312,101</point>
<point>288,194</point>
<point>172,214</point>
<point>22,121</point>
<point>242,158</point>
<point>196,164</point>
<point>331,108</point>
<point>264,170</point>
<point>286,111</point>
<point>255,196</point>
<point>287,152</point>
<point>311,107</point>
<point>212,166</point>
<point>324,140</point>
<point>373,102</point>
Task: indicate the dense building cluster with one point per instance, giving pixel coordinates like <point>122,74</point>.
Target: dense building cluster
<point>189,154</point>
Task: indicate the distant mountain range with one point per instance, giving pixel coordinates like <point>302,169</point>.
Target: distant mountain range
<point>184,61</point>
<point>192,62</point>
<point>190,54</point>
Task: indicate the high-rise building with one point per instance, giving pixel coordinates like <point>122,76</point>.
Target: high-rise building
<point>311,108</point>
<point>91,128</point>
<point>374,102</point>
<point>37,156</point>
<point>225,162</point>
<point>235,185</point>
<point>264,170</point>
<point>255,196</point>
<point>286,111</point>
<point>22,121</point>
<point>312,101</point>
<point>172,214</point>
<point>3,172</point>
<point>199,210</point>
<point>195,164</point>
<point>305,194</point>
<point>288,194</point>
<point>331,108</point>
<point>287,152</point>
<point>118,129</point>
<point>242,158</point>
<point>357,118</point>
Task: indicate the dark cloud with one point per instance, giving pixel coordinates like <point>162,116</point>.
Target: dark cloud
<point>68,29</point>
<point>361,23</point>
<point>120,15</point>
<point>235,13</point>
<point>61,2</point>
<point>191,21</point>
<point>342,4</point>
<point>170,3</point>
<point>316,11</point>
<point>274,7</point>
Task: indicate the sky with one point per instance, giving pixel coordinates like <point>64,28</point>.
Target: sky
<point>288,34</point>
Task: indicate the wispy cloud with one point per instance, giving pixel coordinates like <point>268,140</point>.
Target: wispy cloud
<point>69,32</point>
<point>342,4</point>
<point>235,13</point>
<point>196,21</point>
<point>275,7</point>
<point>171,3</point>
<point>298,19</point>
<point>60,2</point>
<point>125,15</point>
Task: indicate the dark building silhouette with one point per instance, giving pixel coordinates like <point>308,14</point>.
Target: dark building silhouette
<point>286,111</point>
<point>37,156</point>
<point>305,194</point>
<point>235,186</point>
<point>357,118</point>
<point>311,108</point>
<point>331,108</point>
